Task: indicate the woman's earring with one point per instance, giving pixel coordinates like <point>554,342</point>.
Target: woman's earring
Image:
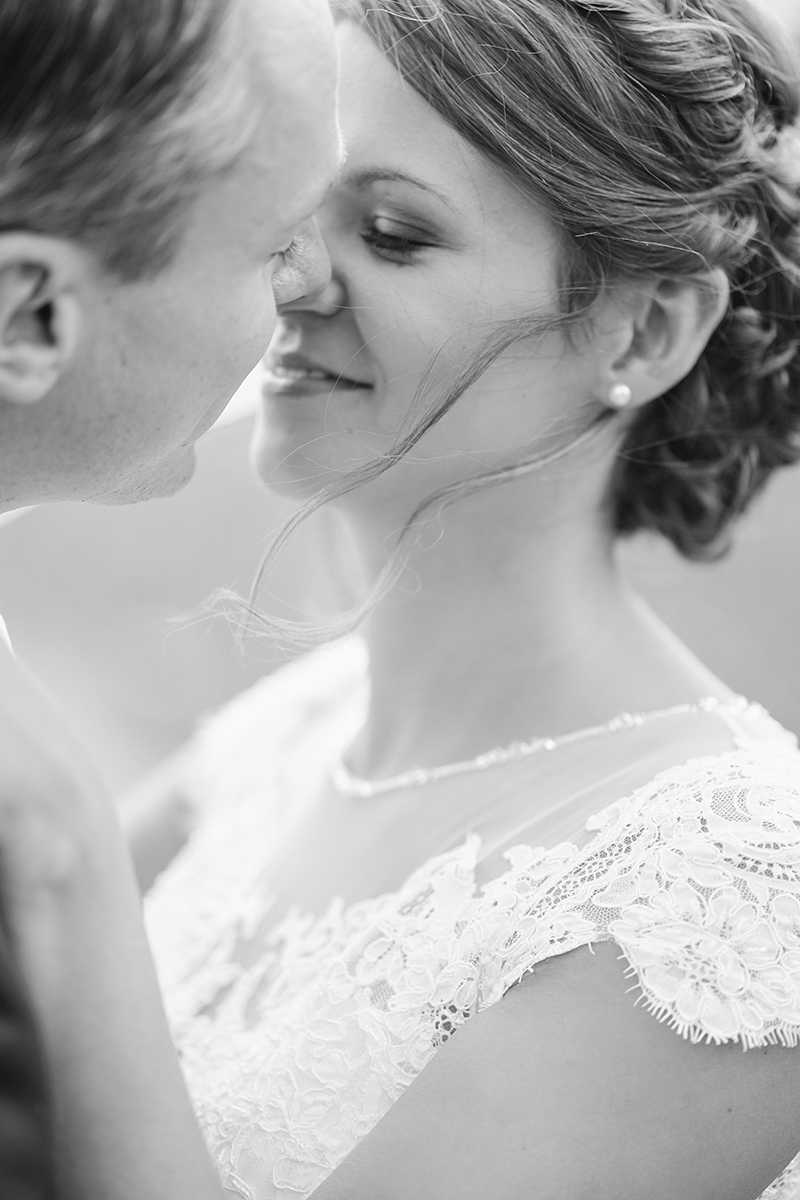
<point>619,395</point>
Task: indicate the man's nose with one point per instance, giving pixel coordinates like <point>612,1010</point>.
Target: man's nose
<point>325,301</point>
<point>306,271</point>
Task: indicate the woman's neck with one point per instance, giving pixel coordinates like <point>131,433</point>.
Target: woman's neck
<point>494,639</point>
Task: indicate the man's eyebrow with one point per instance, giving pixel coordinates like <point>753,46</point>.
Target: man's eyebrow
<point>337,178</point>
<point>364,179</point>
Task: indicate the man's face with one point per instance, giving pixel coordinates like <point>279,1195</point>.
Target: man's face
<point>159,358</point>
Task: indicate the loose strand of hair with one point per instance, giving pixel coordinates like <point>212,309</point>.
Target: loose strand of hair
<point>248,618</point>
<point>294,635</point>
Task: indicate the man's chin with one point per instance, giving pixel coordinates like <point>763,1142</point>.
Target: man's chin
<point>162,479</point>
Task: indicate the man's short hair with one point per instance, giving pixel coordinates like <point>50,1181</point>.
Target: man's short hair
<point>113,115</point>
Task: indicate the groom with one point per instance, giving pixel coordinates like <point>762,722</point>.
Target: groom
<point>161,161</point>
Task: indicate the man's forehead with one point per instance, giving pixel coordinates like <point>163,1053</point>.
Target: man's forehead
<point>295,151</point>
<point>292,44</point>
<point>302,208</point>
<point>294,74</point>
<point>335,177</point>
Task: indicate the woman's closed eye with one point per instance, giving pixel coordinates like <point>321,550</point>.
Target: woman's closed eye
<point>395,240</point>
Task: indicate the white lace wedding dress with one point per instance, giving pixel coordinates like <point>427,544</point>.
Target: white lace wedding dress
<point>293,1054</point>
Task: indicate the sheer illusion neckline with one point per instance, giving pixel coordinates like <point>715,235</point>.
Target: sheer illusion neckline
<point>349,784</point>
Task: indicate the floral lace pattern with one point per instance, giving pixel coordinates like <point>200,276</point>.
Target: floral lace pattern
<point>294,1057</point>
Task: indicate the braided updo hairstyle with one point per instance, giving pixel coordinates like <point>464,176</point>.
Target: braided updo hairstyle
<point>659,137</point>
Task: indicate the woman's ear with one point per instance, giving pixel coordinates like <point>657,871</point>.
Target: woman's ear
<point>40,316</point>
<point>666,327</point>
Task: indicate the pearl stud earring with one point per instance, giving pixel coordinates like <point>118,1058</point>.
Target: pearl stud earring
<point>619,395</point>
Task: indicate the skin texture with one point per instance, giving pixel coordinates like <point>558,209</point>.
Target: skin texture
<point>105,387</point>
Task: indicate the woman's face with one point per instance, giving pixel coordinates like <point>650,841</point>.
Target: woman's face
<point>430,246</point>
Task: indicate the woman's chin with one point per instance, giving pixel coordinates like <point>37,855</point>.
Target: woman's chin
<point>285,469</point>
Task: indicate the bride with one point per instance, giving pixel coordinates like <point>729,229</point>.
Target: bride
<point>490,900</point>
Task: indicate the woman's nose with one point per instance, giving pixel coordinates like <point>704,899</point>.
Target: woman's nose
<point>304,278</point>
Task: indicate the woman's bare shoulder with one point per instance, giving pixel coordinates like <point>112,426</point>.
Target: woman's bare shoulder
<point>567,1088</point>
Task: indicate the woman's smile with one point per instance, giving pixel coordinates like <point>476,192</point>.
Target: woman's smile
<point>296,375</point>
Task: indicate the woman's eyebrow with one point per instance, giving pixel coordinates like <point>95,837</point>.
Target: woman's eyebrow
<point>365,178</point>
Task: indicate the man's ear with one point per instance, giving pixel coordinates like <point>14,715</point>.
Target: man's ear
<point>666,327</point>
<point>40,314</point>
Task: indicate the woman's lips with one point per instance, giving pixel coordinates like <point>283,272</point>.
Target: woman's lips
<point>288,378</point>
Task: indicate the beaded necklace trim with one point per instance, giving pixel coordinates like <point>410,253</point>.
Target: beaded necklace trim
<point>349,784</point>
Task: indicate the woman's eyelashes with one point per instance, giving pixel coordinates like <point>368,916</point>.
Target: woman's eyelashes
<point>396,241</point>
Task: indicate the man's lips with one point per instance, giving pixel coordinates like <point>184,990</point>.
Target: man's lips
<point>294,368</point>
